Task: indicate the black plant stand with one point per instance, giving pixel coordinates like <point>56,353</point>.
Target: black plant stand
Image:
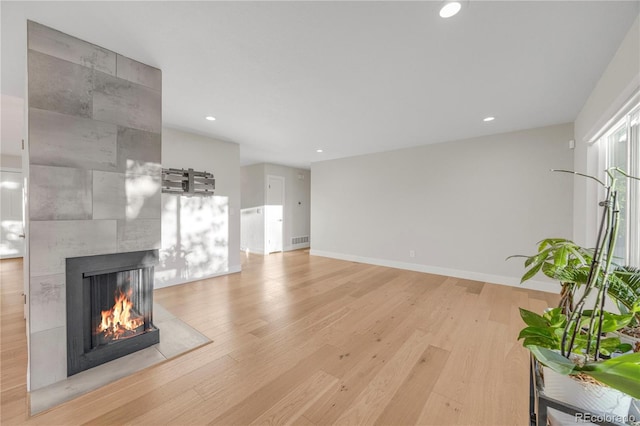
<point>539,402</point>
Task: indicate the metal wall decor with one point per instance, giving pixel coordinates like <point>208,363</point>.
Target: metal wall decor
<point>187,182</point>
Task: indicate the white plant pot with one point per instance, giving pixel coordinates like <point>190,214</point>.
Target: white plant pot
<point>588,396</point>
<point>634,410</point>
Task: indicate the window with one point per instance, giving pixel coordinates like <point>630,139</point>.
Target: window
<point>621,146</point>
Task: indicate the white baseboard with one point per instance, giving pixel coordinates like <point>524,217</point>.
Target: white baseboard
<point>292,247</point>
<point>252,250</point>
<point>549,287</point>
<point>178,281</point>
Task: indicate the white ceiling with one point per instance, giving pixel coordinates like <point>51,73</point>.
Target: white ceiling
<point>287,78</point>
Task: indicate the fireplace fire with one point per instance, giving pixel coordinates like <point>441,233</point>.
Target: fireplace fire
<point>121,321</point>
<point>109,307</point>
<point>118,308</point>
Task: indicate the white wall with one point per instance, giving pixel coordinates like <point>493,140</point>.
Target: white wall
<point>252,220</point>
<point>462,206</point>
<point>201,235</point>
<point>12,128</point>
<point>253,186</point>
<point>619,81</point>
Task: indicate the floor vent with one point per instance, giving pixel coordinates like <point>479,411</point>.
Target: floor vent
<point>300,240</point>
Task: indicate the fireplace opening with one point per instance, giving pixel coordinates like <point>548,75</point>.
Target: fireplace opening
<point>109,307</point>
<point>119,308</point>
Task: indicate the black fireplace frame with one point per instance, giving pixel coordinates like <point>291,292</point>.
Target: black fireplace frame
<point>79,271</point>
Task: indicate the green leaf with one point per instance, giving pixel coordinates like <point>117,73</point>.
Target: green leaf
<point>529,261</point>
<point>561,257</point>
<point>531,272</point>
<point>544,243</point>
<point>610,344</point>
<point>580,257</point>
<point>540,341</point>
<point>536,332</point>
<point>540,257</point>
<point>553,360</point>
<point>613,322</point>
<point>555,318</point>
<point>633,358</point>
<point>621,373</point>
<point>624,347</point>
<point>532,319</point>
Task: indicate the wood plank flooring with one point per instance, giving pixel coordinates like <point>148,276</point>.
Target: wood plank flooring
<point>306,340</point>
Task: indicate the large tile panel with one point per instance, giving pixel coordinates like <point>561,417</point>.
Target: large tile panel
<point>54,43</point>
<point>60,86</point>
<point>139,152</point>
<point>138,72</point>
<point>51,242</point>
<point>128,104</point>
<point>109,195</point>
<point>63,140</point>
<point>138,234</point>
<point>47,302</point>
<point>59,193</point>
<point>48,357</point>
<point>143,193</point>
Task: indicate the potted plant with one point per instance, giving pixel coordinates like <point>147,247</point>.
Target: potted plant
<point>572,340</point>
<point>543,336</point>
<point>567,262</point>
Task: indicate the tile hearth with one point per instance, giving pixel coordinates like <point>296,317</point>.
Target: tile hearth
<point>177,339</point>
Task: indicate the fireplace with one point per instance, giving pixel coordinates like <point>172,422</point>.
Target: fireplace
<point>109,307</point>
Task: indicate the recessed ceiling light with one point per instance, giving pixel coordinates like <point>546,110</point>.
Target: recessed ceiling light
<point>449,9</point>
<point>210,118</point>
<point>488,119</point>
<point>319,150</point>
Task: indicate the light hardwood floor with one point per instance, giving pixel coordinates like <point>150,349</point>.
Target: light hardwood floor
<point>309,340</point>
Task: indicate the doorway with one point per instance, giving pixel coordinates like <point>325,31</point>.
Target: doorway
<point>11,212</point>
<point>274,214</point>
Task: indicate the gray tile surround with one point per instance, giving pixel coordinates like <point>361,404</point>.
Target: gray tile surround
<point>59,193</point>
<point>143,196</point>
<point>47,349</point>
<point>95,156</point>
<point>52,242</point>
<point>128,104</point>
<point>63,140</point>
<point>139,73</point>
<point>139,152</point>
<point>138,234</point>
<point>63,46</point>
<point>109,195</point>
<point>126,196</point>
<point>60,86</point>
<point>47,302</point>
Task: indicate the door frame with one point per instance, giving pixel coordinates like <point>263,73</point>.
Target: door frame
<point>19,171</point>
<point>266,228</point>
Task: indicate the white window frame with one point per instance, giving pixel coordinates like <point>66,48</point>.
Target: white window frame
<point>632,210</point>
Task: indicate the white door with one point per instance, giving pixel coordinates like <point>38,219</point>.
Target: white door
<point>274,213</point>
<point>11,229</point>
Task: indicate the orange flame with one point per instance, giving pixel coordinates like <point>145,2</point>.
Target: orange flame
<point>120,321</point>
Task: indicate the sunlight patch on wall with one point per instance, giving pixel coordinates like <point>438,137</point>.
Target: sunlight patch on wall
<point>139,189</point>
<point>195,238</point>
